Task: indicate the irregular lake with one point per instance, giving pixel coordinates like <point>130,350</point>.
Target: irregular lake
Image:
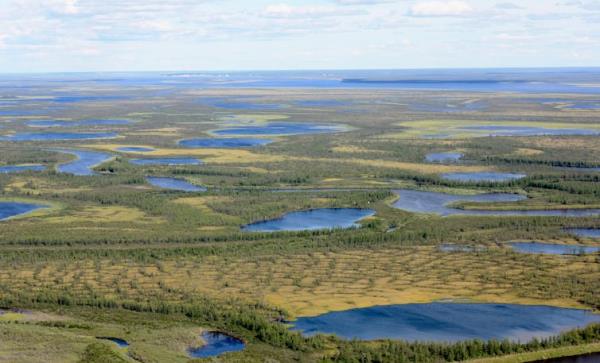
<point>174,184</point>
<point>440,203</point>
<point>86,160</point>
<point>313,219</point>
<point>79,123</point>
<point>135,149</point>
<point>482,177</point>
<point>551,248</point>
<point>13,209</point>
<point>7,169</point>
<point>50,136</point>
<point>166,161</point>
<point>118,341</point>
<point>216,344</point>
<point>224,142</point>
<point>447,322</point>
<point>448,157</point>
<point>281,128</point>
<point>498,130</point>
<point>585,232</point>
<point>238,103</point>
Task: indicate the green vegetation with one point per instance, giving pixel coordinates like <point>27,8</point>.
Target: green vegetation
<point>117,257</point>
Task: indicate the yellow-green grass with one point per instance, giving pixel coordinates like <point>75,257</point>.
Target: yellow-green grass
<point>543,354</point>
<point>314,283</point>
<point>39,186</point>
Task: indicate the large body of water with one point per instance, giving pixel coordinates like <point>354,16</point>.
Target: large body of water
<point>447,322</point>
<point>441,203</point>
<point>500,130</point>
<point>224,143</point>
<point>314,219</point>
<point>280,128</point>
<point>13,209</point>
<point>84,163</point>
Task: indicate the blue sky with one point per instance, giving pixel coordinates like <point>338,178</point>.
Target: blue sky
<point>139,35</point>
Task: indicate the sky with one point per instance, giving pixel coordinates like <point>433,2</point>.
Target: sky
<point>146,35</point>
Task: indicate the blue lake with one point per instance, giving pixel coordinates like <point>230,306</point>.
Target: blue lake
<point>281,128</point>
<point>84,162</point>
<point>135,149</point>
<point>321,103</point>
<point>482,177</point>
<point>78,123</point>
<point>85,98</point>
<point>585,232</point>
<point>500,130</point>
<point>441,203</point>
<point>13,209</point>
<point>51,136</point>
<point>7,169</point>
<point>216,344</point>
<point>447,322</point>
<point>166,161</point>
<point>313,219</point>
<point>122,343</point>
<point>239,103</point>
<point>551,248</point>
<point>224,143</point>
<point>174,184</point>
<point>447,157</point>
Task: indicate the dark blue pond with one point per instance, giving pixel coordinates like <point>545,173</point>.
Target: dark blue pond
<point>314,219</point>
<point>482,177</point>
<point>13,209</point>
<point>216,344</point>
<point>585,232</point>
<point>84,162</point>
<point>551,248</point>
<point>174,184</point>
<point>7,169</point>
<point>224,143</point>
<point>447,322</point>
<point>583,358</point>
<point>166,161</point>
<point>447,157</point>
<point>441,203</point>
<point>50,136</point>
<point>122,343</point>
<point>78,123</point>
<point>497,130</point>
<point>135,149</point>
<point>281,128</point>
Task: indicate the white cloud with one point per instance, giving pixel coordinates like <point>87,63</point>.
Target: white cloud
<point>441,8</point>
<point>289,11</point>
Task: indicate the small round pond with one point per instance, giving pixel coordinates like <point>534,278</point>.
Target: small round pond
<point>216,344</point>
